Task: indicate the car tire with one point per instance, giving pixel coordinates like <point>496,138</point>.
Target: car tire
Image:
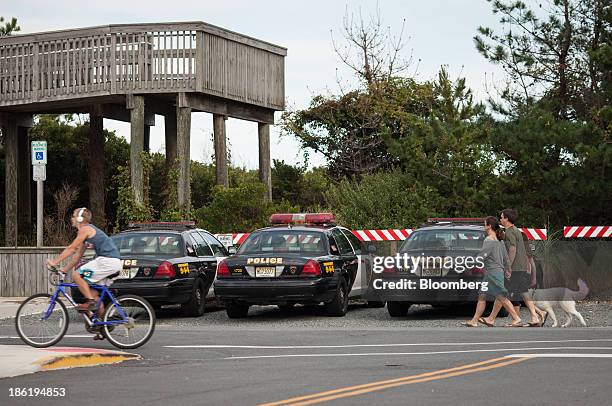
<point>398,309</point>
<point>196,306</point>
<point>376,304</point>
<point>236,310</point>
<point>339,305</point>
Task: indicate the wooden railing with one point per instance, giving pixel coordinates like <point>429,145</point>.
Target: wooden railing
<point>22,271</point>
<point>142,58</point>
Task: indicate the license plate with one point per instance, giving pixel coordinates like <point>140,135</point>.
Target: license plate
<point>265,272</point>
<point>128,273</point>
<point>432,272</point>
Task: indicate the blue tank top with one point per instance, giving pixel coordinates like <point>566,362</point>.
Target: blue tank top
<point>104,246</point>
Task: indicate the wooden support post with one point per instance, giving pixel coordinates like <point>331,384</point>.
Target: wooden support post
<point>183,134</point>
<point>265,171</point>
<point>147,138</point>
<point>24,180</point>
<point>9,132</point>
<point>220,149</point>
<point>97,189</point>
<point>137,146</point>
<point>170,136</point>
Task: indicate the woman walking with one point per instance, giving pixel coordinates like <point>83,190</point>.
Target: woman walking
<point>495,259</point>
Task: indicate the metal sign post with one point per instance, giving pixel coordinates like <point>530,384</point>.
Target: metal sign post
<point>39,173</point>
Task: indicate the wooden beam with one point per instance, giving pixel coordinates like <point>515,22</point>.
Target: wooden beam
<point>170,139</point>
<point>220,150</point>
<point>96,169</point>
<point>225,107</point>
<point>136,147</point>
<point>147,138</point>
<point>183,134</point>
<point>24,180</point>
<point>9,131</point>
<point>265,171</point>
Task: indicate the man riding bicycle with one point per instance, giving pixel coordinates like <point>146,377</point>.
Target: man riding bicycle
<point>105,263</point>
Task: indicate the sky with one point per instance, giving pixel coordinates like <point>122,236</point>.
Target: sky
<point>436,32</point>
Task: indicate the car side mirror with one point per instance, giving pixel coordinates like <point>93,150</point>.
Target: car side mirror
<point>232,250</point>
<point>371,249</point>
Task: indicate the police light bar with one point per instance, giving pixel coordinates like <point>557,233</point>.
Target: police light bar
<point>303,218</point>
<point>455,220</point>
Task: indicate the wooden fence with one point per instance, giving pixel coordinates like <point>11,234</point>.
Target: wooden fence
<point>22,271</point>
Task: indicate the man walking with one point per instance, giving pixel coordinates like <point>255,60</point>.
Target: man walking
<point>518,277</point>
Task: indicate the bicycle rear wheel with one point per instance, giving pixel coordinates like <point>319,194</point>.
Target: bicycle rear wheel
<point>139,328</point>
<point>40,325</point>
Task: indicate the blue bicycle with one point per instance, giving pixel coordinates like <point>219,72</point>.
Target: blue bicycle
<point>42,319</point>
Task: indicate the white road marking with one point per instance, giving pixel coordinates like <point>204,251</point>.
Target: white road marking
<point>288,347</point>
<point>365,354</point>
<point>559,355</point>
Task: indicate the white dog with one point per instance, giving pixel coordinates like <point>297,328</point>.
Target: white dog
<point>565,298</point>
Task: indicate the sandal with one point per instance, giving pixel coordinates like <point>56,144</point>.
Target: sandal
<point>517,324</point>
<point>544,319</point>
<point>466,324</point>
<point>482,320</point>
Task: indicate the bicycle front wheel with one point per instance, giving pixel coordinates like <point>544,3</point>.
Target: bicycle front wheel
<point>139,326</point>
<point>41,322</point>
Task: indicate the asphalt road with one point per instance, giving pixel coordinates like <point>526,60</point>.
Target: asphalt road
<point>278,356</point>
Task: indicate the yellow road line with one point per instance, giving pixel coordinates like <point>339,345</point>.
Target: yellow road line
<point>396,382</point>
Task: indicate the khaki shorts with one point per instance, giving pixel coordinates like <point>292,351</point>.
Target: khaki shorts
<point>99,269</point>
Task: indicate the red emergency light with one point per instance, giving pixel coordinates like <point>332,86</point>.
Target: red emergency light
<point>302,218</point>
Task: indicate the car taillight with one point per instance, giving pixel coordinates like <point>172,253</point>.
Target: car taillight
<point>476,271</point>
<point>311,268</point>
<point>223,269</point>
<point>389,269</point>
<point>165,270</point>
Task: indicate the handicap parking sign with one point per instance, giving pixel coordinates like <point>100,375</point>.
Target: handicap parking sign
<point>39,152</point>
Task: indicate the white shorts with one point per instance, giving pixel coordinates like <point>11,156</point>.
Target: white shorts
<point>99,269</point>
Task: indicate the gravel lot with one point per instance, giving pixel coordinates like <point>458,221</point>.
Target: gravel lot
<point>596,314</point>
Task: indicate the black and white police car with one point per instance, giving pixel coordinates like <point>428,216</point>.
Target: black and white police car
<point>302,258</point>
<point>168,264</point>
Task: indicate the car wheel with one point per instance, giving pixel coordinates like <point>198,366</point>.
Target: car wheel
<point>236,310</point>
<point>339,305</point>
<point>196,305</point>
<point>398,309</point>
<point>375,304</point>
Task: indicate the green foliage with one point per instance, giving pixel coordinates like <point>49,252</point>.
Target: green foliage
<point>9,27</point>
<point>382,200</point>
<point>238,209</point>
<point>127,207</point>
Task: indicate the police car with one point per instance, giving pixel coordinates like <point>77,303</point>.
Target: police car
<point>302,258</point>
<point>443,273</point>
<point>169,264</point>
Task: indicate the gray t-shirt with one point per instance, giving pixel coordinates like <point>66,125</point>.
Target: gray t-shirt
<point>494,255</point>
<point>514,238</point>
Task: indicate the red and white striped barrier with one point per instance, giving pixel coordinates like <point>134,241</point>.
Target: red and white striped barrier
<point>587,231</point>
<point>383,235</point>
<point>538,234</point>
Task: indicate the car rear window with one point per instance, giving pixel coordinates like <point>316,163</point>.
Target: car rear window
<point>286,241</point>
<point>162,244</point>
<point>444,239</point>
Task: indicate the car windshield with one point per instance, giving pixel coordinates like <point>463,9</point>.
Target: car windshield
<point>285,241</point>
<point>153,244</point>
<point>444,239</point>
